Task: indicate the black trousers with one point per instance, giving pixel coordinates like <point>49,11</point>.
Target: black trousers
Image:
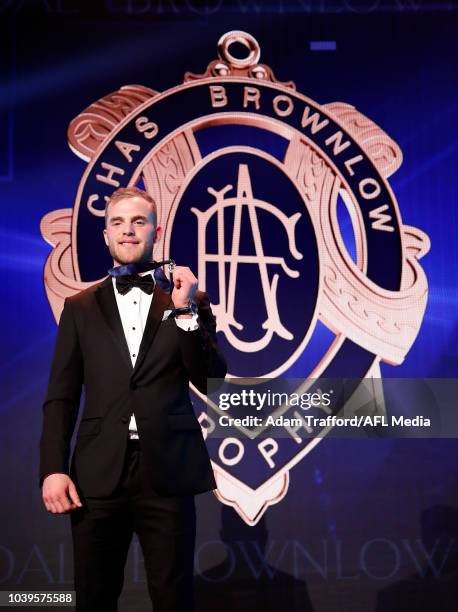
<point>102,531</point>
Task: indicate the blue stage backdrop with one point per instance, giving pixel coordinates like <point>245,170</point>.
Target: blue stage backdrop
<point>254,194</point>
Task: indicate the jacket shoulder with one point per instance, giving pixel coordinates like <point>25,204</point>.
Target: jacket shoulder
<point>86,294</point>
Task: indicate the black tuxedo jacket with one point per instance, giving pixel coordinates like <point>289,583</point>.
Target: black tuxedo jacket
<point>91,350</point>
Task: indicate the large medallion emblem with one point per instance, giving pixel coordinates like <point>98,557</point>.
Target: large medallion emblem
<point>283,209</point>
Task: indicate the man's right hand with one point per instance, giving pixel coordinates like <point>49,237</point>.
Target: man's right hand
<point>59,494</point>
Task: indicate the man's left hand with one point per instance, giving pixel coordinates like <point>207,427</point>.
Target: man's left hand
<point>185,286</point>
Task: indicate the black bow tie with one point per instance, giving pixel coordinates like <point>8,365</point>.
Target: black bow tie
<point>125,283</point>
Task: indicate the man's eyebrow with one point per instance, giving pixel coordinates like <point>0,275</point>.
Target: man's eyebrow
<point>133,218</point>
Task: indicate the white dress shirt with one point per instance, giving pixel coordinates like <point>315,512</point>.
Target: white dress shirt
<point>133,309</point>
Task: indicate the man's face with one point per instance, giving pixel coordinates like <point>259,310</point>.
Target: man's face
<point>131,230</point>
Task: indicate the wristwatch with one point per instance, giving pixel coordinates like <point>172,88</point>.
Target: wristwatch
<point>191,309</point>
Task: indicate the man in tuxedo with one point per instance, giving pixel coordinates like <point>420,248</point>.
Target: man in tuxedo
<point>140,456</point>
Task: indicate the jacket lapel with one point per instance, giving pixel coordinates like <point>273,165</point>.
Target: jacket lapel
<point>107,302</point>
<point>161,301</point>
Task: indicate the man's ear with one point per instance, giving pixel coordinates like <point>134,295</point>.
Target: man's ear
<point>105,236</point>
<point>158,234</point>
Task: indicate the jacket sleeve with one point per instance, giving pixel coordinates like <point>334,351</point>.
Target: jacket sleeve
<point>201,355</point>
<point>60,408</point>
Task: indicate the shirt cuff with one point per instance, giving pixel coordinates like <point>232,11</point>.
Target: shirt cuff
<point>188,324</point>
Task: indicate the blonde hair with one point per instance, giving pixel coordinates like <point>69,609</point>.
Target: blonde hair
<point>124,193</point>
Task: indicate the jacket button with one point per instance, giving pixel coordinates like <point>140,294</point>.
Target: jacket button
<point>133,386</point>
<point>124,419</point>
